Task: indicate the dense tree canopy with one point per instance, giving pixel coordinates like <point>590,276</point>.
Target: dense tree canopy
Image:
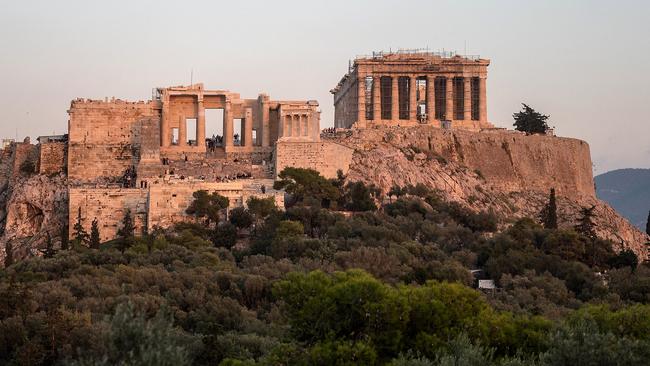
<point>313,286</point>
<point>530,121</point>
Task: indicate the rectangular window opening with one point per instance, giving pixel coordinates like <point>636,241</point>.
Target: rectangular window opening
<point>238,127</point>
<point>174,136</point>
<point>421,98</point>
<point>190,131</point>
<point>214,128</point>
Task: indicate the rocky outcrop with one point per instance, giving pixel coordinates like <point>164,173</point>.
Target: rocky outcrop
<point>35,207</point>
<point>31,205</point>
<point>506,172</point>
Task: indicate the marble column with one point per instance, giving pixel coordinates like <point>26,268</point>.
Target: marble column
<point>394,102</point>
<point>282,128</point>
<point>200,125</point>
<point>467,98</point>
<point>361,98</point>
<point>449,113</point>
<point>248,128</point>
<point>376,98</point>
<point>482,100</point>
<point>165,140</point>
<point>227,126</point>
<point>431,98</point>
<point>182,131</point>
<point>413,100</point>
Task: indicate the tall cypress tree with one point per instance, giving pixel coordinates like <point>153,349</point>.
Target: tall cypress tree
<point>126,233</point>
<point>9,254</point>
<point>647,225</point>
<point>94,234</point>
<point>549,212</point>
<point>49,251</point>
<point>80,234</point>
<point>585,225</point>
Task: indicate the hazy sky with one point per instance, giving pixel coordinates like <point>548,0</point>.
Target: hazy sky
<point>585,63</point>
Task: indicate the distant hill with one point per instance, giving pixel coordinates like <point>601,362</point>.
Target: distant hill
<point>628,191</point>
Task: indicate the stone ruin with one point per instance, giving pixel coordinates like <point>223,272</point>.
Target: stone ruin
<point>150,157</point>
<point>411,87</point>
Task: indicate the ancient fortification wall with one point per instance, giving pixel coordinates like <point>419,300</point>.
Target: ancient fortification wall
<point>105,137</point>
<point>326,157</point>
<point>109,206</point>
<point>168,202</point>
<point>52,158</point>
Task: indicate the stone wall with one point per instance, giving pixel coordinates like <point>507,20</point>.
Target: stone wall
<point>105,138</point>
<point>169,201</point>
<point>326,157</point>
<point>109,206</point>
<point>52,157</point>
<point>24,151</point>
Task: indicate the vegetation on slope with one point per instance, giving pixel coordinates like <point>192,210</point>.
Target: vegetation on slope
<point>316,286</point>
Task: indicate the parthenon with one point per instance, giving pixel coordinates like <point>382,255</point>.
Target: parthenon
<point>410,87</point>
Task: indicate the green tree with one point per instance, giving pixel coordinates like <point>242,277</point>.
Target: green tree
<point>241,218</point>
<point>549,212</point>
<point>647,225</point>
<point>48,251</point>
<point>133,340</point>
<point>9,254</point>
<point>126,234</point>
<point>359,197</point>
<point>260,209</point>
<point>289,229</point>
<point>80,235</point>
<point>396,191</point>
<point>530,121</point>
<point>94,234</point>
<point>582,343</point>
<point>224,235</point>
<point>585,225</point>
<point>65,245</point>
<point>208,206</point>
<point>342,353</point>
<point>626,258</point>
<point>306,183</point>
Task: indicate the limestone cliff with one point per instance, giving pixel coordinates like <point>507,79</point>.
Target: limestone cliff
<point>31,205</point>
<point>503,171</point>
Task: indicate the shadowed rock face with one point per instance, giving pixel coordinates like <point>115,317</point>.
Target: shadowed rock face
<point>506,172</point>
<point>35,206</point>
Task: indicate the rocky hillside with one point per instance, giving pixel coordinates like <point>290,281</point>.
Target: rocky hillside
<point>31,205</point>
<point>502,171</point>
<point>628,191</point>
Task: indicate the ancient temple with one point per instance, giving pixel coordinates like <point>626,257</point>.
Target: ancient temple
<point>413,87</point>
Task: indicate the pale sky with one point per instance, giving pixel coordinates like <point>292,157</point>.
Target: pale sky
<point>585,63</point>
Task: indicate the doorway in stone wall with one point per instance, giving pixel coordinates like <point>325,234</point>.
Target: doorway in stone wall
<point>190,132</point>
<point>214,129</point>
<point>238,129</point>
